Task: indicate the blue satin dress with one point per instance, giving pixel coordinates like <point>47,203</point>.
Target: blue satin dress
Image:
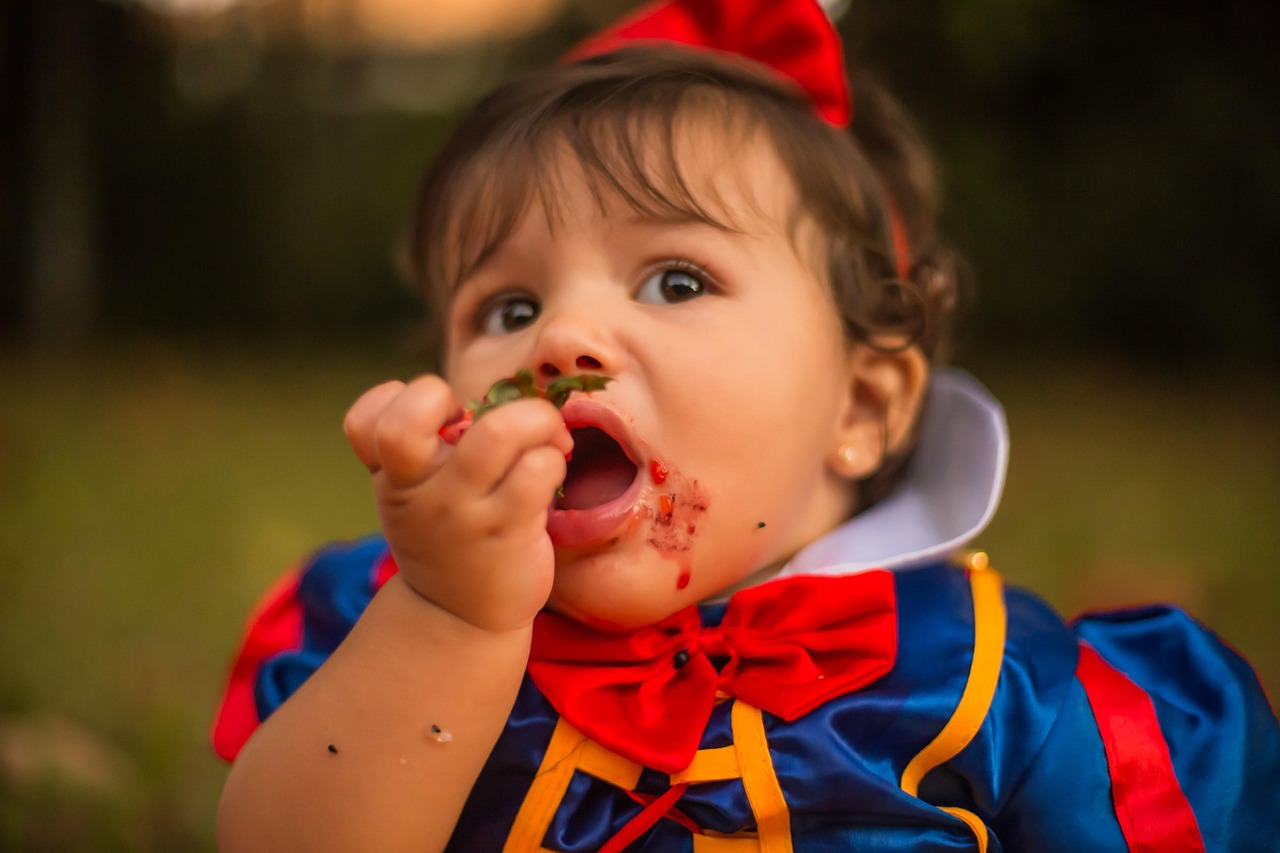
<point>1131,730</point>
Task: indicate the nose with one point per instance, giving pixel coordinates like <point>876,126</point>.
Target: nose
<point>576,342</point>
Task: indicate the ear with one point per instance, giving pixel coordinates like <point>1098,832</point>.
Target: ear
<point>884,392</point>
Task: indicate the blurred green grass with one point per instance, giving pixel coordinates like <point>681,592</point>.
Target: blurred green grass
<point>150,493</point>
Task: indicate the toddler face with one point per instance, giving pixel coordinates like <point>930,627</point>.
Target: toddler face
<point>708,458</point>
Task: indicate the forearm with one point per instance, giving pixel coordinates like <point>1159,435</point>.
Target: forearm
<point>353,759</point>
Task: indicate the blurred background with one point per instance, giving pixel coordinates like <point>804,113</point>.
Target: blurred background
<point>199,207</point>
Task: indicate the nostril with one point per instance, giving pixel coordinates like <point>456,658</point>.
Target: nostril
<point>586,362</point>
<point>549,369</point>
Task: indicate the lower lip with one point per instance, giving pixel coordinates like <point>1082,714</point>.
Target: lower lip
<point>578,528</point>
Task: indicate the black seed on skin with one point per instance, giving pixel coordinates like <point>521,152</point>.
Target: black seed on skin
<point>333,749</point>
<point>435,730</point>
<point>759,524</point>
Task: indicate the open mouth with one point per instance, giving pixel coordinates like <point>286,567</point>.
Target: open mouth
<point>599,471</point>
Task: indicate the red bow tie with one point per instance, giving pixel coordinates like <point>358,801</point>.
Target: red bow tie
<point>790,645</point>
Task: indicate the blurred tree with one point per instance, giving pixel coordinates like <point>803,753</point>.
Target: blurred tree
<point>1112,169</point>
<point>51,174</point>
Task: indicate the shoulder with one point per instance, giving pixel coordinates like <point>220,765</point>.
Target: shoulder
<point>973,617</point>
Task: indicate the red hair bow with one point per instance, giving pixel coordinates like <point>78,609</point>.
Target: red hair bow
<point>785,647</point>
<point>794,37</point>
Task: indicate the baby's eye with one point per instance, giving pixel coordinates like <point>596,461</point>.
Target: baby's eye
<point>671,285</point>
<point>507,314</point>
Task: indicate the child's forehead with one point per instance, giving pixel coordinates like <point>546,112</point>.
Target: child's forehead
<point>733,181</point>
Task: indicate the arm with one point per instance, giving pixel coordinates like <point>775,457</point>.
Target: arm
<point>444,643</point>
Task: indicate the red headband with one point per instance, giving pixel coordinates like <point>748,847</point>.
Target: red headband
<point>793,37</point>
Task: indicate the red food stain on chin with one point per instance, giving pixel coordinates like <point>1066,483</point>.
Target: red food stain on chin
<point>672,519</point>
<point>657,471</point>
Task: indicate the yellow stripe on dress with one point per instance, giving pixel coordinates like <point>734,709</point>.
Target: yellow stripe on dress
<point>773,818</point>
<point>989,621</point>
<point>547,790</point>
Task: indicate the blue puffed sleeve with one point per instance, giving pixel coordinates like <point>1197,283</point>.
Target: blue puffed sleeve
<point>1165,741</point>
<point>293,631</point>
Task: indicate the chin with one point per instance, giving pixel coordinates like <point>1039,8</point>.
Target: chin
<point>606,593</point>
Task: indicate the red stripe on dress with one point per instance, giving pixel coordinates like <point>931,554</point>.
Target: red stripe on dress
<point>274,626</point>
<point>1152,810</point>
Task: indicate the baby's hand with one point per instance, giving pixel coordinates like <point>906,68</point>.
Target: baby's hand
<point>467,524</point>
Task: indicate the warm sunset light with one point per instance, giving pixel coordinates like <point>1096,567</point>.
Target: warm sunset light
<point>406,24</point>
<point>412,23</point>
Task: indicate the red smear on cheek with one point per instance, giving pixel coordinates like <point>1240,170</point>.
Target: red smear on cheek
<point>657,471</point>
<point>672,519</point>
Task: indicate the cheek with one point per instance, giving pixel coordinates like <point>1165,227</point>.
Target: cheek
<point>472,368</point>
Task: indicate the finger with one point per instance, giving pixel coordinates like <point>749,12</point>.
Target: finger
<point>531,483</point>
<point>495,442</point>
<point>361,417</point>
<point>405,436</point>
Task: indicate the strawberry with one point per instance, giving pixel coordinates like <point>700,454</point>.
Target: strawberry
<point>456,426</point>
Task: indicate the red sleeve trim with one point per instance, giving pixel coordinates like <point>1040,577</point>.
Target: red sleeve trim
<point>384,571</point>
<point>1153,812</point>
<point>274,626</point>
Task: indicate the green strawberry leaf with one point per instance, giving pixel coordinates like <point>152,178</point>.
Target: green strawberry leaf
<point>523,385</point>
<point>559,390</point>
<point>525,382</point>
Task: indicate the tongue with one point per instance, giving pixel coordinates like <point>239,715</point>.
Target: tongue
<point>598,472</point>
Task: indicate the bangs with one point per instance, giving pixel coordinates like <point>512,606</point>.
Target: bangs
<point>631,153</point>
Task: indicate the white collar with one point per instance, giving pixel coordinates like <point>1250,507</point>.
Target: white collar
<point>946,496</point>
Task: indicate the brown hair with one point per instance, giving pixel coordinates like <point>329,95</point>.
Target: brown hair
<point>619,114</point>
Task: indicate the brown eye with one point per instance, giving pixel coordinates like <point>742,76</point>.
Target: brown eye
<point>671,285</point>
<point>508,315</point>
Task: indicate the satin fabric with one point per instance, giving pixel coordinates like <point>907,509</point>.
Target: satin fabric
<point>1036,772</point>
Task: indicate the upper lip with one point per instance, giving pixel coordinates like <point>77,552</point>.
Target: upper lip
<point>581,412</point>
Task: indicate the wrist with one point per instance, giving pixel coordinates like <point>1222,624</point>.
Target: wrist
<point>446,624</point>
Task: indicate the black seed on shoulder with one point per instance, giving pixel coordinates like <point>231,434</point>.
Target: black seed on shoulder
<point>333,749</point>
<point>435,730</point>
<point>759,524</point>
